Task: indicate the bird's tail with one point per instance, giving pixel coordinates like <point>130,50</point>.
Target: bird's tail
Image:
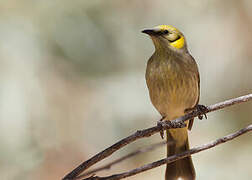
<point>182,169</point>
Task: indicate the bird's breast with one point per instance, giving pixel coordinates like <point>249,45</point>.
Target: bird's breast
<point>172,87</point>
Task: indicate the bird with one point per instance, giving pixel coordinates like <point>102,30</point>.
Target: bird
<point>173,81</point>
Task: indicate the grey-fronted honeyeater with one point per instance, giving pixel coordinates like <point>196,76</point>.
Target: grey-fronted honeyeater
<point>172,78</point>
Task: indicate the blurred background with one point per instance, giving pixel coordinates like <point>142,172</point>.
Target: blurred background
<point>72,83</point>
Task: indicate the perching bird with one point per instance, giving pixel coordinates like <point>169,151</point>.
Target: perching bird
<point>172,78</point>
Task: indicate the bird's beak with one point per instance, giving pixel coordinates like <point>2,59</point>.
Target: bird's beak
<point>148,31</point>
<point>151,32</point>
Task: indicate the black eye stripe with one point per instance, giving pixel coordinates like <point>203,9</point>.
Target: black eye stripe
<point>164,32</point>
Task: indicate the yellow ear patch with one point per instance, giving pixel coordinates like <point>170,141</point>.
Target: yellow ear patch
<point>178,43</point>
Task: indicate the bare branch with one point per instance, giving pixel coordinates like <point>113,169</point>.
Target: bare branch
<point>134,153</point>
<point>148,132</point>
<point>174,157</point>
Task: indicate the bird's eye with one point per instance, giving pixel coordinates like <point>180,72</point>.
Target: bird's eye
<point>165,31</point>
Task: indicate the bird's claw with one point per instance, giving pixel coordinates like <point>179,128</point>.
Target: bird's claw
<point>159,123</point>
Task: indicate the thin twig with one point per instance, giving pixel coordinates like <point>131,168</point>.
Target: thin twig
<point>174,157</point>
<point>148,132</point>
<point>134,153</point>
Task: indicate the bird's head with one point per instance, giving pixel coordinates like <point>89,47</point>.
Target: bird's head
<point>166,37</point>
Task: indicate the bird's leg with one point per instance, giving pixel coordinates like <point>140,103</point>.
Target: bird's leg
<point>162,128</point>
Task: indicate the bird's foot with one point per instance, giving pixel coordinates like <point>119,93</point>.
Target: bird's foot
<point>202,109</point>
<point>169,125</point>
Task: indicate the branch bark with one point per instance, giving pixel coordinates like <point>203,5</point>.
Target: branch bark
<point>174,157</point>
<point>148,132</point>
